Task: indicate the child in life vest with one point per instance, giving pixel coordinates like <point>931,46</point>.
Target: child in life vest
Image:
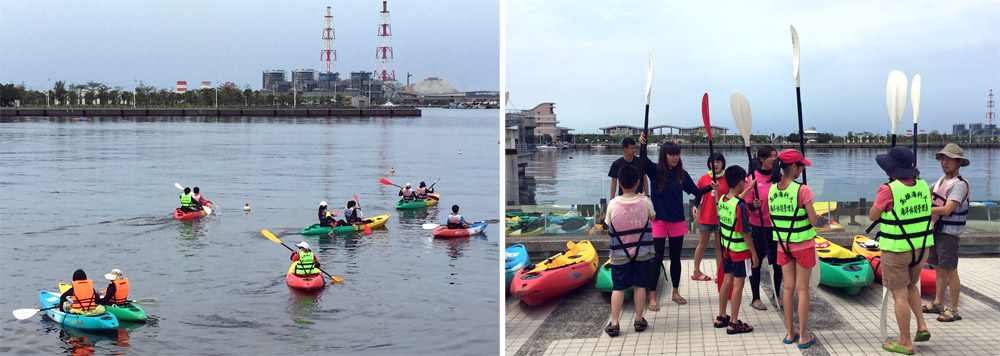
<point>455,220</point>
<point>83,294</point>
<point>630,218</point>
<point>739,257</point>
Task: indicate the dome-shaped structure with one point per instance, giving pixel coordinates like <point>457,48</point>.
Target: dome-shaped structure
<point>432,85</point>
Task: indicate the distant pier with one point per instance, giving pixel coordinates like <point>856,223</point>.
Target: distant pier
<point>248,111</point>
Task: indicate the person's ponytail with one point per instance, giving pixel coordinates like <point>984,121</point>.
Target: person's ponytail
<point>776,170</point>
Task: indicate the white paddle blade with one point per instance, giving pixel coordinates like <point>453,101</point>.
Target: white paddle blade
<point>21,314</point>
<point>915,98</point>
<point>649,78</point>
<point>208,211</point>
<point>795,54</point>
<point>179,186</point>
<point>429,226</point>
<point>741,115</point>
<point>814,277</point>
<point>895,97</point>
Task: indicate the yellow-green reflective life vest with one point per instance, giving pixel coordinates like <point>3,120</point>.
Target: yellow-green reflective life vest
<point>731,240</point>
<point>787,217</point>
<point>306,263</point>
<point>907,226</point>
<point>186,201</point>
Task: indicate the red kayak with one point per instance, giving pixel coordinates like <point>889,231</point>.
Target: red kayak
<point>928,275</point>
<point>188,215</point>
<point>305,283</point>
<point>538,283</point>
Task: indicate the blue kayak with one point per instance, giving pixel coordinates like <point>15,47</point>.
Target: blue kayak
<point>103,321</point>
<point>516,257</point>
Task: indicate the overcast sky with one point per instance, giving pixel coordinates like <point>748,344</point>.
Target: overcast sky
<point>161,42</point>
<point>589,57</point>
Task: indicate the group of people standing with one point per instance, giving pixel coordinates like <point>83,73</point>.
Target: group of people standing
<point>766,213</point>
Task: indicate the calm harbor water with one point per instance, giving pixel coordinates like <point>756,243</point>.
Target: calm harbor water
<point>581,176</point>
<point>98,195</point>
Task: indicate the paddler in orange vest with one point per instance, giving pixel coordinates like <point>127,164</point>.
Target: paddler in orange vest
<point>84,296</point>
<point>116,293</point>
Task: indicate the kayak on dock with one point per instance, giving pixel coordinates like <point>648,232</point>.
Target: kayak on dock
<point>555,276</point>
<point>841,268</point>
<point>515,258</point>
<point>871,252</point>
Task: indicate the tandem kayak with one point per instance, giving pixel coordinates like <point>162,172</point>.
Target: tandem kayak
<point>474,229</point>
<point>126,312</point>
<point>928,274</point>
<point>188,215</point>
<point>515,258</point>
<point>372,222</point>
<point>102,321</point>
<point>555,276</point>
<point>417,204</point>
<point>305,283</point>
<point>841,268</point>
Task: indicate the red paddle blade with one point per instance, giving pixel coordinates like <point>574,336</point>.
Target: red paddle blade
<point>704,115</point>
<point>368,230</point>
<point>356,199</point>
<point>433,197</point>
<point>383,181</point>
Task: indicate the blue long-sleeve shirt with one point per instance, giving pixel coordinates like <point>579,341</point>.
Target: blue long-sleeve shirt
<point>669,203</point>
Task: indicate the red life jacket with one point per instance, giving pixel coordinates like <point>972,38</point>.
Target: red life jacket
<point>83,295</point>
<point>121,292</point>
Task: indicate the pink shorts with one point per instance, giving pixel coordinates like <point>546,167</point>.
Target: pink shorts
<point>663,228</point>
<point>805,257</point>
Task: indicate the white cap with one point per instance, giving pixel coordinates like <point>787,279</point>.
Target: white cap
<point>322,203</point>
<point>303,244</point>
<point>407,184</point>
<point>115,274</point>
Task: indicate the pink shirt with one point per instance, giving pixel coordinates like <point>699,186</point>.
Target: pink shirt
<point>763,188</point>
<point>883,199</point>
<point>627,212</point>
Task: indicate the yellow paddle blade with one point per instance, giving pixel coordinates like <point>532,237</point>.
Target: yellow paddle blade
<point>270,236</point>
<point>336,279</point>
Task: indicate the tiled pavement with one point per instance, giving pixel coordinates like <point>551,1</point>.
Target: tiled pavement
<point>844,324</point>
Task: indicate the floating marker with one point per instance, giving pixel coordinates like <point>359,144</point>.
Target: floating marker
<point>246,207</point>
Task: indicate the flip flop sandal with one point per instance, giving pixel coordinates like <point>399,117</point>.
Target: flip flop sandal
<point>794,339</point>
<point>945,318</point>
<point>723,321</point>
<point>653,307</point>
<point>922,336</point>
<point>758,306</point>
<point>933,309</point>
<point>612,330</point>
<point>679,300</point>
<point>641,325</point>
<point>896,348</point>
<point>702,277</point>
<point>811,342</point>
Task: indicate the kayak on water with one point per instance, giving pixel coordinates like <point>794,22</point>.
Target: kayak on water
<point>126,312</point>
<point>188,215</point>
<point>871,252</point>
<point>417,204</point>
<point>515,258</point>
<point>557,275</point>
<point>842,268</point>
<point>305,283</point>
<point>102,321</point>
<point>475,228</point>
<point>373,222</point>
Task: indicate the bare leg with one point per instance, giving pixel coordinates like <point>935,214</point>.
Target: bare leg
<point>737,295</point>
<point>802,275</point>
<point>617,299</point>
<point>788,273</point>
<point>900,299</point>
<point>940,283</point>
<point>727,281</point>
<point>954,284</point>
<point>699,251</point>
<point>913,298</point>
<point>718,249</point>
<point>638,298</point>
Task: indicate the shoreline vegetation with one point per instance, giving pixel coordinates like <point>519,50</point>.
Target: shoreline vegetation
<point>275,111</point>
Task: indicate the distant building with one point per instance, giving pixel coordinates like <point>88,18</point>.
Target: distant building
<point>810,134</point>
<point>658,130</point>
<point>304,79</point>
<point>545,119</point>
<point>274,82</point>
<point>959,130</point>
<point>182,86</point>
<point>206,85</point>
<point>438,92</point>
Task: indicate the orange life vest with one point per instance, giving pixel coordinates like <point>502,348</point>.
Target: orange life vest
<point>83,295</point>
<point>121,292</point>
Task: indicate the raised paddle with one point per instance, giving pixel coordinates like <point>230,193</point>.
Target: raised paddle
<point>915,99</point>
<point>368,229</point>
<point>895,99</point>
<point>645,124</point>
<point>208,211</point>
<point>271,237</point>
<point>435,182</point>
<point>387,182</point>
<point>708,129</point>
<point>798,94</point>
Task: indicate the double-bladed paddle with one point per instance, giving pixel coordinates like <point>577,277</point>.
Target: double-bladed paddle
<point>645,125</point>
<point>271,237</point>
<point>798,94</point>
<point>208,211</point>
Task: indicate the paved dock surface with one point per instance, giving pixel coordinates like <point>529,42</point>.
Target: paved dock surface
<point>573,324</point>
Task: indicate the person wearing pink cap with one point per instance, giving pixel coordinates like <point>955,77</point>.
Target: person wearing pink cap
<point>792,220</point>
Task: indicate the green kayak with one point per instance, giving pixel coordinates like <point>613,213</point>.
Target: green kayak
<point>315,229</point>
<point>373,222</point>
<point>127,312</point>
<point>604,283</point>
<point>432,200</point>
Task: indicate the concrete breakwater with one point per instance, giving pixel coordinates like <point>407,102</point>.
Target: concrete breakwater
<point>248,111</point>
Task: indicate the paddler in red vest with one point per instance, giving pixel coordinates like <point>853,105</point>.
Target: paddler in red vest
<point>84,296</point>
<point>407,193</point>
<point>455,220</point>
<point>116,293</point>
<point>196,198</point>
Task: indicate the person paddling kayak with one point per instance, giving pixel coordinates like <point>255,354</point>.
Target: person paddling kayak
<point>353,214</point>
<point>84,296</point>
<point>407,193</point>
<point>455,220</point>
<point>116,293</point>
<point>187,201</point>
<point>326,218</point>
<point>423,190</point>
<point>308,265</point>
<point>197,199</point>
